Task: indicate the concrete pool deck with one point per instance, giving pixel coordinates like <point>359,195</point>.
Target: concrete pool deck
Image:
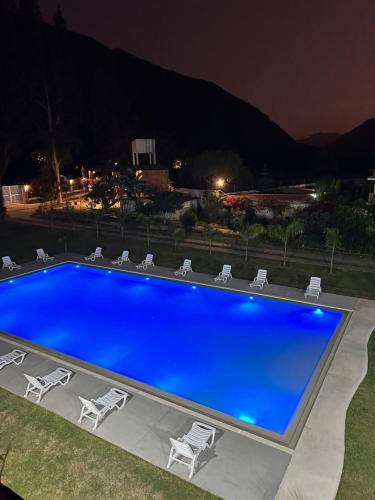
<point>238,466</point>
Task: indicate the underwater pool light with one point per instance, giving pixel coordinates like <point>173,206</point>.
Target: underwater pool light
<point>318,311</point>
<point>247,419</point>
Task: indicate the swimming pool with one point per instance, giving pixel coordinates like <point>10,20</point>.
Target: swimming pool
<point>243,356</point>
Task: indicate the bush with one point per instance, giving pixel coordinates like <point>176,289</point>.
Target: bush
<point>188,220</point>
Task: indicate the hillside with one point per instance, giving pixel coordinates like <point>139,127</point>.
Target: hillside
<point>320,139</point>
<point>107,97</point>
<point>355,150</point>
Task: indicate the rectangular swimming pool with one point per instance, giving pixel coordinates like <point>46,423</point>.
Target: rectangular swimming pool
<point>244,356</point>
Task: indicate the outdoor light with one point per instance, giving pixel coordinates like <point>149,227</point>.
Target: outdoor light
<point>247,419</point>
<point>71,182</point>
<point>26,187</point>
<point>251,298</point>
<point>147,278</point>
<point>318,311</point>
<point>45,270</point>
<point>10,281</point>
<point>220,182</point>
<point>193,287</point>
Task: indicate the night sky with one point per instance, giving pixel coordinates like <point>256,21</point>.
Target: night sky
<point>310,65</point>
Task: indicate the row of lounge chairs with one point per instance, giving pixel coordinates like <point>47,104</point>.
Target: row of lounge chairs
<point>314,289</point>
<point>184,450</point>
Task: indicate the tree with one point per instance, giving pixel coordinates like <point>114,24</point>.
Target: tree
<point>285,234</point>
<point>167,203</point>
<point>133,185</point>
<point>250,232</point>
<point>209,233</point>
<point>178,235</point>
<point>237,218</point>
<point>188,220</point>
<point>333,240</point>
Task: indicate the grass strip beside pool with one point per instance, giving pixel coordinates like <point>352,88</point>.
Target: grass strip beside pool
<point>358,479</point>
<point>52,458</point>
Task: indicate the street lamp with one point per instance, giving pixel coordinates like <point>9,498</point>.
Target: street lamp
<point>220,182</point>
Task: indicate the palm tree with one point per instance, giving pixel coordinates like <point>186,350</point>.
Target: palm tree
<point>133,184</point>
<point>209,233</point>
<point>286,233</point>
<point>251,232</point>
<point>333,240</point>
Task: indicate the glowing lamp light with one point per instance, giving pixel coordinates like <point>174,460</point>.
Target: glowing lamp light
<point>318,311</point>
<point>247,418</point>
<point>26,187</point>
<point>220,182</point>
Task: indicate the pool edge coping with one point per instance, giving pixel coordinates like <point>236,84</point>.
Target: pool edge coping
<point>286,441</point>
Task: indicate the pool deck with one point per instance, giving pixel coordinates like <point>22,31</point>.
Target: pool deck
<point>238,466</point>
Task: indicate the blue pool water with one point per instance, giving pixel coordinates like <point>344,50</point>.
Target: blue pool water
<point>248,357</point>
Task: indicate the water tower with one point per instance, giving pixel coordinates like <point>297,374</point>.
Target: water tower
<point>145,148</point>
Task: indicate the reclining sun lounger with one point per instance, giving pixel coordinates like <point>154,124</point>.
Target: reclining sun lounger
<point>185,268</point>
<point>186,450</point>
<point>16,357</point>
<point>9,264</point>
<point>95,409</point>
<point>42,255</point>
<point>225,274</point>
<point>260,279</point>
<point>124,257</point>
<point>314,288</point>
<point>95,255</point>
<point>149,261</point>
<point>40,385</point>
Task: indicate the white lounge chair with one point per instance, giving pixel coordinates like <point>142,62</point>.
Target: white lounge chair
<point>9,264</point>
<point>95,409</point>
<point>185,268</point>
<point>95,255</point>
<point>149,261</point>
<point>200,436</point>
<point>40,385</point>
<point>186,450</point>
<point>225,274</point>
<point>42,255</point>
<point>124,257</point>
<point>314,288</point>
<point>184,454</point>
<point>260,279</point>
<point>16,357</point>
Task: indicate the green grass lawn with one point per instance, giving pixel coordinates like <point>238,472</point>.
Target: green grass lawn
<point>358,479</point>
<point>51,458</point>
<point>20,241</point>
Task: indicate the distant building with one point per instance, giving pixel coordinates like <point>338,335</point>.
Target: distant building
<point>371,196</point>
<point>292,199</point>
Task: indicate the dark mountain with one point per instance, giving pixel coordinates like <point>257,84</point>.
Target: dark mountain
<point>320,139</point>
<point>355,151</point>
<point>107,97</point>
